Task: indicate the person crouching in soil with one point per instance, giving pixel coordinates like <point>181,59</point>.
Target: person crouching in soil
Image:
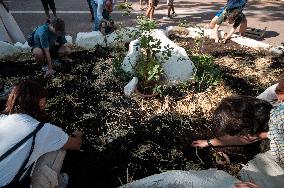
<point>242,120</point>
<point>232,12</point>
<point>29,142</point>
<point>48,44</point>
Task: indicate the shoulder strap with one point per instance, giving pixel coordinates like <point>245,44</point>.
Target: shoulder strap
<point>11,150</point>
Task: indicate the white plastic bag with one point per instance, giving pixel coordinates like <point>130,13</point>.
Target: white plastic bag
<point>130,87</point>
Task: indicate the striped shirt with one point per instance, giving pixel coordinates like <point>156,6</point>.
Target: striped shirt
<point>276,133</point>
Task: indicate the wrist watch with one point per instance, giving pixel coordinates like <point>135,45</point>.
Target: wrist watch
<point>209,143</point>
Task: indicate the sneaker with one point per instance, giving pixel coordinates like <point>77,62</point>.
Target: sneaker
<point>44,68</point>
<point>63,180</point>
<point>167,18</point>
<point>173,14</point>
<point>5,92</point>
<point>56,63</point>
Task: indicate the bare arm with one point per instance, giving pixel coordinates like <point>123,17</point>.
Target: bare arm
<point>228,140</point>
<point>232,31</point>
<point>48,58</point>
<point>215,33</point>
<point>74,143</point>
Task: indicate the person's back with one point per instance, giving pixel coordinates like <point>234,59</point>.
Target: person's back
<point>269,94</point>
<point>15,127</point>
<point>46,142</point>
<point>43,38</point>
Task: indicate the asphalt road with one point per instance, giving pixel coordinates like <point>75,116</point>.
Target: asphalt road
<point>29,14</point>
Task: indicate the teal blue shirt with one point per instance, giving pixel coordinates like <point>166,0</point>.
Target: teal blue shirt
<point>43,38</point>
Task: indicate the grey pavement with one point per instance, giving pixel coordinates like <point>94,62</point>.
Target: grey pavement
<point>29,14</point>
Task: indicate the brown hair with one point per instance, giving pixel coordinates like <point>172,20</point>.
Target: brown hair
<point>58,24</point>
<point>241,115</point>
<point>280,87</point>
<point>25,98</point>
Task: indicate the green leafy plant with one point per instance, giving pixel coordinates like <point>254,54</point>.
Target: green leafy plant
<point>148,68</point>
<point>206,76</point>
<point>119,53</point>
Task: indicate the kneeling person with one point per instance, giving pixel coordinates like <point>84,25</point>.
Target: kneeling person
<point>48,43</point>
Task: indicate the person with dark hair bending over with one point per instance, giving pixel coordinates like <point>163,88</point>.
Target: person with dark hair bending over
<point>233,13</point>
<point>48,43</point>
<point>241,120</point>
<point>45,145</point>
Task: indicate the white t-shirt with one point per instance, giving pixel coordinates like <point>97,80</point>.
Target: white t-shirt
<point>269,94</point>
<point>14,128</point>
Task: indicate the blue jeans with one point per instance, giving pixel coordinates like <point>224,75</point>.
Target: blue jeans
<point>96,24</point>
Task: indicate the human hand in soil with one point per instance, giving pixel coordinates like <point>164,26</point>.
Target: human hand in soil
<point>77,134</point>
<point>49,72</point>
<point>200,143</point>
<point>66,59</point>
<point>224,41</point>
<point>246,185</point>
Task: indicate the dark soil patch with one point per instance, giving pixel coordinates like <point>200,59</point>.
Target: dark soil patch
<point>121,141</point>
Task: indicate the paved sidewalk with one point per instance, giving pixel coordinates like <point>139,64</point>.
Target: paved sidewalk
<point>29,14</point>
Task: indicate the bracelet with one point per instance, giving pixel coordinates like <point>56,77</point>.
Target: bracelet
<point>209,143</point>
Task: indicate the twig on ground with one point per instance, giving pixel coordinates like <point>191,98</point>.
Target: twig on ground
<point>198,155</point>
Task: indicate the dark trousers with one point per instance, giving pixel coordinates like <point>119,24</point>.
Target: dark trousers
<point>48,4</point>
<point>91,8</point>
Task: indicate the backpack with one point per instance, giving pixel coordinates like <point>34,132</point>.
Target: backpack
<point>18,180</point>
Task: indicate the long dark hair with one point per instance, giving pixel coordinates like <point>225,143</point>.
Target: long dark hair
<point>25,97</point>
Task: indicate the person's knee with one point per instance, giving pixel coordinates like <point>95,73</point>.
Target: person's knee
<point>212,24</point>
<point>38,54</point>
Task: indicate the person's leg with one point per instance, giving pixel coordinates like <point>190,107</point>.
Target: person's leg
<point>96,21</point>
<point>169,10</point>
<point>91,9</point>
<point>213,22</point>
<point>215,33</point>
<point>173,9</point>
<point>243,26</point>
<point>52,7</point>
<point>38,53</point>
<point>45,7</point>
<point>141,4</point>
<point>152,13</point>
<point>9,29</point>
<point>47,169</point>
<point>150,10</point>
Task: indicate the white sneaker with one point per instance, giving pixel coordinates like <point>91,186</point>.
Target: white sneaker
<point>44,68</point>
<point>167,18</point>
<point>63,180</point>
<point>56,63</point>
<point>174,14</point>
